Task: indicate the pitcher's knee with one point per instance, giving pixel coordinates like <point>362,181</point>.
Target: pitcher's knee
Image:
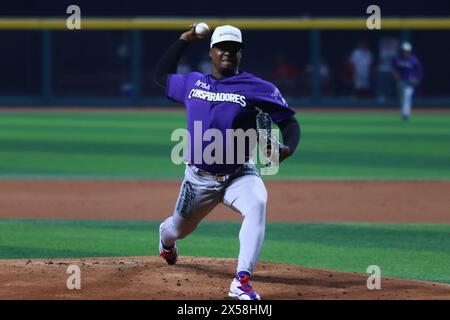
<point>260,202</point>
<point>257,208</point>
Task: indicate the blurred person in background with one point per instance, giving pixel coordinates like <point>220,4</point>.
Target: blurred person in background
<point>407,70</point>
<point>344,84</point>
<point>361,60</point>
<point>286,75</point>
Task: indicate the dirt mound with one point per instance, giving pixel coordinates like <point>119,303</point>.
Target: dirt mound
<point>193,278</point>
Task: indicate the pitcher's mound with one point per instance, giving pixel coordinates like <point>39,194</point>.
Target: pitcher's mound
<point>193,278</point>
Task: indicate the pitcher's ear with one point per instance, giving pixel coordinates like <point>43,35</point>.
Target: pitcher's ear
<point>210,53</point>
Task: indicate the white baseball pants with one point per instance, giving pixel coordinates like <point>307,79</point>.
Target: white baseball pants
<point>244,192</point>
<point>406,94</point>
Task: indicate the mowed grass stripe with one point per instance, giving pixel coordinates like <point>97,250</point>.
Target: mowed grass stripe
<point>162,149</point>
<point>407,251</point>
<point>360,172</point>
<point>77,166</point>
<point>334,146</point>
<point>96,115</point>
<point>86,148</point>
<point>106,119</point>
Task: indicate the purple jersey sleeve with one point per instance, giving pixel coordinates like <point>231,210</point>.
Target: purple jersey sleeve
<point>177,84</point>
<point>269,99</point>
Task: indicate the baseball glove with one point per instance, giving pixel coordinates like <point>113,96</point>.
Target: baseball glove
<point>269,141</point>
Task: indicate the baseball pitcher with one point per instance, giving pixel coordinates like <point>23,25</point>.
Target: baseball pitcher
<point>225,99</point>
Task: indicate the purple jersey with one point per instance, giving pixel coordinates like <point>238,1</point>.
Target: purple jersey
<point>409,68</point>
<point>228,103</point>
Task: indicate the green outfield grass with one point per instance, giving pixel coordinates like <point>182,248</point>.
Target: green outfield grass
<point>405,251</point>
<point>115,145</point>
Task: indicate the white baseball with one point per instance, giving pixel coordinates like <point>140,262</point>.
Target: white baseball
<point>202,29</point>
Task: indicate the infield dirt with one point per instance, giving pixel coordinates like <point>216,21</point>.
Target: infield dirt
<point>206,278</point>
<point>194,278</point>
<point>309,201</point>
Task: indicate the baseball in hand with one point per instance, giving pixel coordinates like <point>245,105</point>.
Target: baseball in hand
<point>201,29</point>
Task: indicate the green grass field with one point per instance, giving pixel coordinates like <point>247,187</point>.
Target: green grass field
<point>119,145</point>
<point>406,251</point>
<point>137,145</point>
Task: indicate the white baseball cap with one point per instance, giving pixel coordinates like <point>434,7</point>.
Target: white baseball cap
<point>406,46</point>
<point>226,33</point>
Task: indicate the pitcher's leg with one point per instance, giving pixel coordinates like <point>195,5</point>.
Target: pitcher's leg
<point>248,195</point>
<point>197,197</point>
<point>182,223</point>
<point>409,90</point>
